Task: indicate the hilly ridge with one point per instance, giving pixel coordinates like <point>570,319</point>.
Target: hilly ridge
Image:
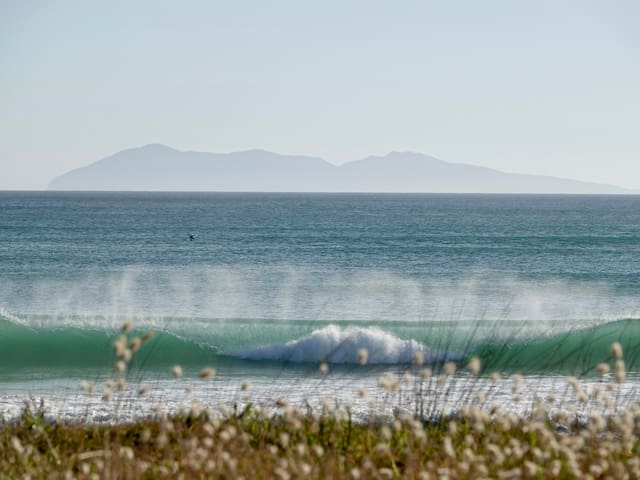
<point>157,167</point>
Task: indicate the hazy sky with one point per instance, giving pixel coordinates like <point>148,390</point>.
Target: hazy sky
<point>547,87</point>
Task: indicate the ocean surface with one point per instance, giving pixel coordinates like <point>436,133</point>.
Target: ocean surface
<point>274,285</point>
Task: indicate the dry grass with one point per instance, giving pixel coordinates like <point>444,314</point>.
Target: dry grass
<point>294,444</point>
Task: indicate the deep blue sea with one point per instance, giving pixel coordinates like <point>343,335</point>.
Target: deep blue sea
<point>273,285</point>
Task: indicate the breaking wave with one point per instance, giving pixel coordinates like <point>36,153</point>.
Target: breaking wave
<point>337,345</point>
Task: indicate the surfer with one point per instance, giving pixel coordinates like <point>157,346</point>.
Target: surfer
<point>192,236</point>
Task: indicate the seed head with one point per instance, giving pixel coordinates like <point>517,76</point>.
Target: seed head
<point>385,473</point>
<point>120,345</point>
<point>17,445</point>
<point>603,368</point>
<point>388,383</point>
<point>87,387</point>
<point>363,356</point>
<point>474,366</point>
<point>125,355</point>
<point>620,371</point>
<point>382,448</point>
<point>447,445</point>
<point>517,383</point>
<point>135,344</point>
<point>176,371</point>
<point>106,396</point>
<point>573,382</point>
<point>324,368</point>
<point>418,357</point>
<point>207,373</point>
<point>127,326</point>
<point>449,368</point>
<point>616,350</point>
<point>162,439</point>
<point>126,453</point>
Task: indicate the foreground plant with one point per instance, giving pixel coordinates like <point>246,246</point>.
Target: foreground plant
<point>250,443</point>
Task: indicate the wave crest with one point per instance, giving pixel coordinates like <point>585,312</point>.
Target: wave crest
<point>341,345</point>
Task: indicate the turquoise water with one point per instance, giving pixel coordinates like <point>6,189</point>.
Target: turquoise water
<point>274,284</point>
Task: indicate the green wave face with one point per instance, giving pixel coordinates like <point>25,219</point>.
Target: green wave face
<point>577,352</point>
<point>502,346</point>
<point>24,347</point>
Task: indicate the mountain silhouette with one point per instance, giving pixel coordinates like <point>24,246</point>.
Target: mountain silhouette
<point>157,167</point>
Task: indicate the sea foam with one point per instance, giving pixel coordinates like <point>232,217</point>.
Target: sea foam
<point>341,345</point>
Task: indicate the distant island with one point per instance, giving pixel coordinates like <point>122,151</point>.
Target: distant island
<point>157,167</point>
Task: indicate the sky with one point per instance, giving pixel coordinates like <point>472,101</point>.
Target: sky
<point>541,87</point>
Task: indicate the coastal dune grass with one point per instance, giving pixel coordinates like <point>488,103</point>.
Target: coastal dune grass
<point>293,444</point>
<point>590,438</point>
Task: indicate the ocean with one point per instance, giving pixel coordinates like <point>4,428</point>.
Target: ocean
<point>273,286</point>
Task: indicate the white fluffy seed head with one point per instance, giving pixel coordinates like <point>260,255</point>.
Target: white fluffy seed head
<point>177,371</point>
<point>120,345</point>
<point>87,387</point>
<point>517,383</point>
<point>449,368</point>
<point>362,392</point>
<point>126,453</point>
<point>603,368</point>
<point>620,371</point>
<point>418,357</point>
<point>474,366</point>
<point>573,382</point>
<point>106,395</point>
<point>16,444</point>
<point>127,326</point>
<point>135,344</point>
<point>616,350</point>
<point>125,355</point>
<point>363,356</point>
<point>448,447</point>
<point>388,383</point>
<point>144,390</point>
<point>207,373</point>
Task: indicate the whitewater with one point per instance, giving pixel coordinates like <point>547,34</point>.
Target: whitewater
<point>284,291</point>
